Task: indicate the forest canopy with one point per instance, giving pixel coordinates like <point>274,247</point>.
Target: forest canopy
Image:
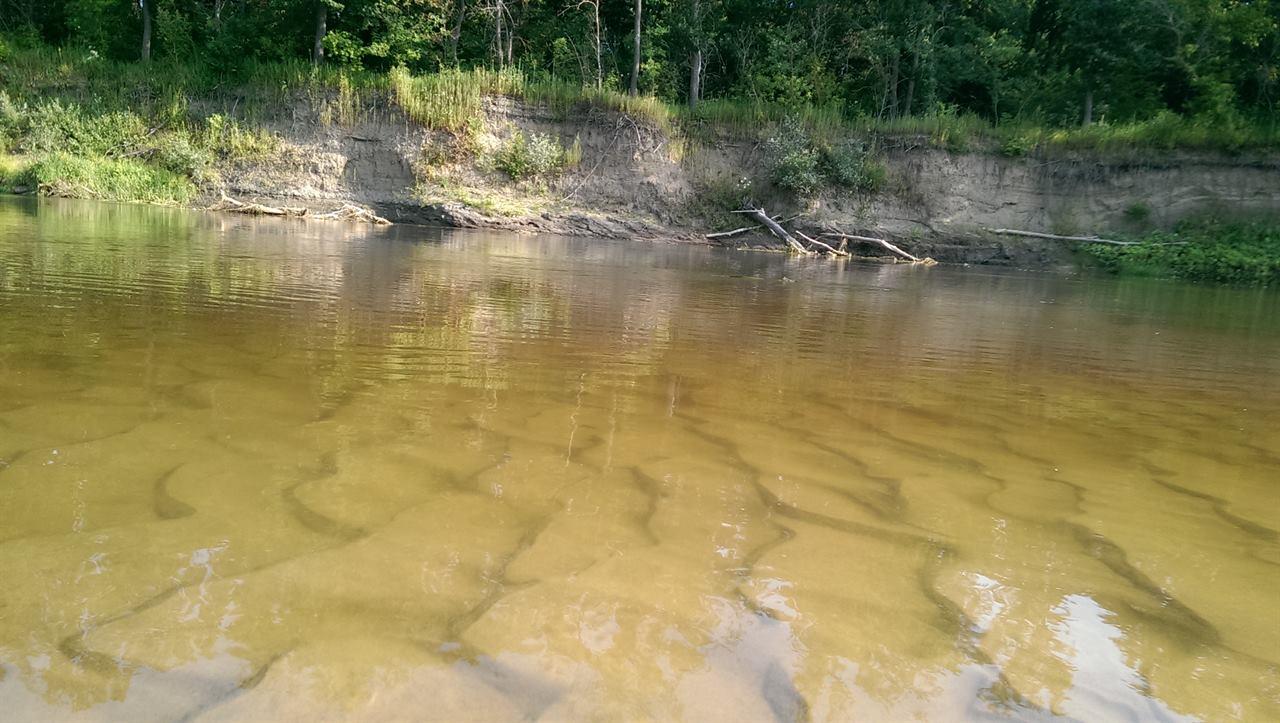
<point>1052,62</point>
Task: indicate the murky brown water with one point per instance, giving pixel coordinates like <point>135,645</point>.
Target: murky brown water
<point>276,471</point>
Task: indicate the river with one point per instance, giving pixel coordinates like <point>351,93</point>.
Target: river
<point>266,470</point>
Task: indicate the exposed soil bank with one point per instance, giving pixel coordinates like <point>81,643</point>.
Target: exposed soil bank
<point>635,181</point>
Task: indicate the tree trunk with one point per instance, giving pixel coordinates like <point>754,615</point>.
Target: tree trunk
<point>1088,108</point>
<point>456,34</point>
<point>695,78</point>
<point>893,86</point>
<point>322,20</point>
<point>497,33</point>
<point>911,86</point>
<point>635,55</point>
<point>595,8</point>
<point>695,62</point>
<point>145,6</point>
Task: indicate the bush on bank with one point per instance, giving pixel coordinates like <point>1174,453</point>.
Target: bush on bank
<point>1205,250</point>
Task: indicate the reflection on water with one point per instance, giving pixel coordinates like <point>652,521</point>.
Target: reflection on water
<point>254,470</point>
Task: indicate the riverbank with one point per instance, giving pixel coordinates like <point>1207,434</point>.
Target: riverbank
<point>495,150</point>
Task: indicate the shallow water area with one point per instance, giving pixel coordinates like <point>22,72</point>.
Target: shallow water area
<point>262,470</point>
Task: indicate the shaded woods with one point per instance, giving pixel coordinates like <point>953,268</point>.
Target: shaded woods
<point>1048,62</point>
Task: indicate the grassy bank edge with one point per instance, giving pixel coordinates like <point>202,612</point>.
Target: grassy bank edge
<point>450,99</point>
<point>1204,250</point>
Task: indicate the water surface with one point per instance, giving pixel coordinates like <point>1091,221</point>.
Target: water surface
<point>265,470</point>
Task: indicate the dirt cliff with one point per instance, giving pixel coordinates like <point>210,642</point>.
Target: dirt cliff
<point>634,180</point>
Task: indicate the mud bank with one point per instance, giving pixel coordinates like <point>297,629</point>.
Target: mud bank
<point>636,181</point>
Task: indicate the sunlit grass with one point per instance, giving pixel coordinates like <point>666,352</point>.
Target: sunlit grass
<point>14,172</point>
<point>114,179</point>
<point>451,99</point>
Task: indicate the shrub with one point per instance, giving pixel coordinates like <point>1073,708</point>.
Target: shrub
<point>53,127</point>
<point>175,153</point>
<point>803,167</point>
<point>715,200</point>
<point>849,165</point>
<point>10,121</point>
<point>529,156</point>
<point>1204,251</point>
<point>796,165</point>
<point>1137,212</point>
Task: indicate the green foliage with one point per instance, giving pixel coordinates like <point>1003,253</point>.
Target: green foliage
<point>716,199</point>
<point>174,152</point>
<point>10,122</point>
<point>1138,212</point>
<point>229,138</point>
<point>1204,251</point>
<point>115,179</point>
<point>805,167</point>
<point>14,172</point>
<point>52,126</point>
<point>524,156</point>
<point>1009,63</point>
<point>573,154</point>
<point>849,164</point>
<point>795,163</point>
<point>450,99</point>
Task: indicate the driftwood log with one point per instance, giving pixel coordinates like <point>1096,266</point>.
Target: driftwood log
<point>352,212</point>
<point>348,211</point>
<point>759,215</point>
<point>829,249</point>
<point>814,245</point>
<point>883,244</point>
<point>730,234</point>
<point>1081,239</point>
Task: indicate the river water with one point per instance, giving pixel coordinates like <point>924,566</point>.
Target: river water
<point>269,470</point>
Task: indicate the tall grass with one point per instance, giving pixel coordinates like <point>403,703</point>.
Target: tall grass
<point>451,99</point>
<point>13,172</point>
<point>747,118</point>
<point>1165,131</point>
<point>114,179</point>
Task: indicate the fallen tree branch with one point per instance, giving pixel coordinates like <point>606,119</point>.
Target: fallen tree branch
<point>830,249</point>
<point>883,244</point>
<point>744,229</point>
<point>352,212</point>
<point>730,234</point>
<point>763,219</point>
<point>348,211</point>
<point>1082,239</point>
<point>256,209</point>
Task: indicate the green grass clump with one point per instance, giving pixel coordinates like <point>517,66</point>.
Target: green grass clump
<point>1202,251</point>
<point>229,138</point>
<point>13,172</point>
<point>112,179</point>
